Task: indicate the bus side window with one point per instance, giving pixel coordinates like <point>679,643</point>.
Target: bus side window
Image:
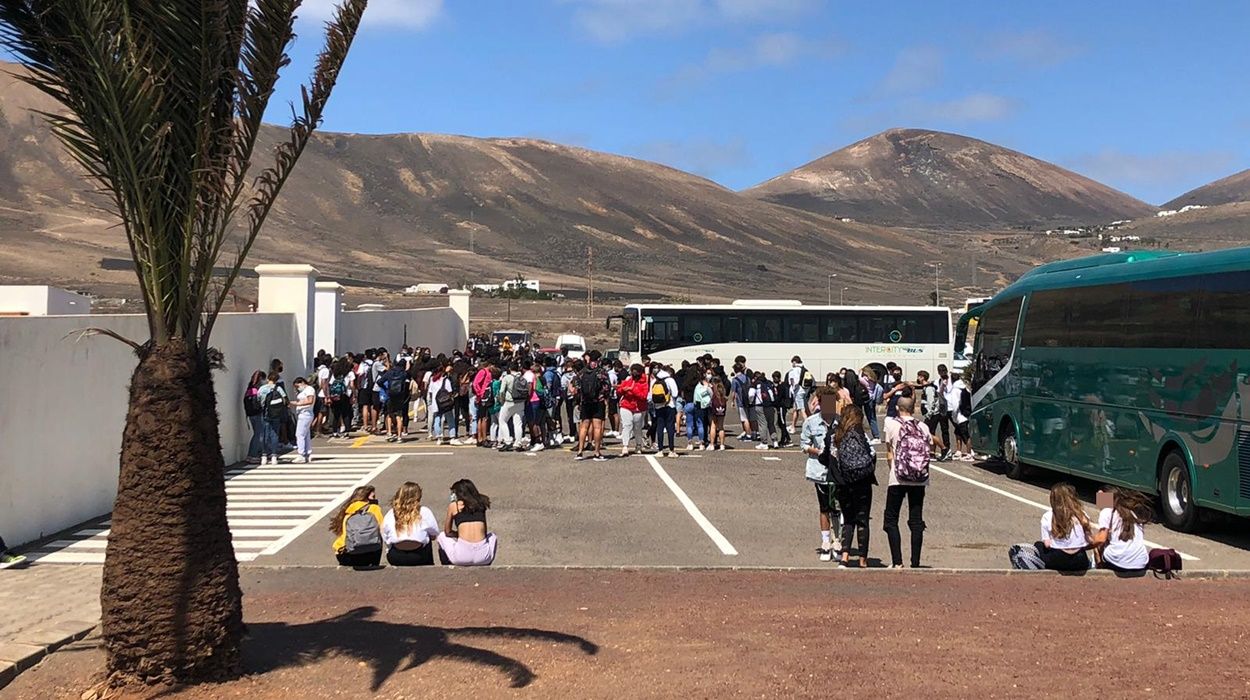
<point>996,338</point>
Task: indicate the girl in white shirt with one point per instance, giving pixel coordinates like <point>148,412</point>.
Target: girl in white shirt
<point>1121,534</point>
<point>1065,536</point>
<point>408,528</point>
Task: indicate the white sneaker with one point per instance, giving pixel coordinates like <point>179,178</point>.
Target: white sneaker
<point>761,446</point>
<point>306,459</point>
<point>720,448</point>
<point>691,448</point>
<point>826,553</point>
<point>706,448</point>
<point>874,441</point>
<point>624,453</point>
<point>538,448</point>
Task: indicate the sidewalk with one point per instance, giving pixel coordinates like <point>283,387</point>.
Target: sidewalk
<point>45,607</point>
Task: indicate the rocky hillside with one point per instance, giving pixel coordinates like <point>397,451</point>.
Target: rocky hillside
<point>936,180</point>
<point>1234,188</point>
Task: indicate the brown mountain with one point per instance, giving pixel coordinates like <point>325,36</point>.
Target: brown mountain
<point>410,208</point>
<point>1234,188</point>
<point>936,180</point>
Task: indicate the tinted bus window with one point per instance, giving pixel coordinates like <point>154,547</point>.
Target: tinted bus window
<point>701,328</point>
<point>840,329</point>
<point>761,329</point>
<point>996,338</point>
<point>803,329</point>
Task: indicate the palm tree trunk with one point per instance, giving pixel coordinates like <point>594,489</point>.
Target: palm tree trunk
<point>171,603</point>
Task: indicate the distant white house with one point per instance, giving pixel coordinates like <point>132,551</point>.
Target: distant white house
<point>427,288</point>
<point>1182,210</point>
<point>531,285</point>
<point>1112,249</point>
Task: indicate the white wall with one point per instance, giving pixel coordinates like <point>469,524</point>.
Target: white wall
<point>62,429</point>
<point>41,300</point>
<point>441,330</point>
<point>62,418</point>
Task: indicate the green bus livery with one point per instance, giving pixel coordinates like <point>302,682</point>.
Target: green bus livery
<point>1130,368</point>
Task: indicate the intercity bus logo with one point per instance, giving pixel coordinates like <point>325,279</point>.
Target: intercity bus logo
<point>893,350</point>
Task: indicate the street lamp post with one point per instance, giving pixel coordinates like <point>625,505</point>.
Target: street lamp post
<point>842,296</point>
<point>829,301</point>
<point>937,292</point>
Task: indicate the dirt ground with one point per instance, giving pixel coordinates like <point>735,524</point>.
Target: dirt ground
<point>655,633</point>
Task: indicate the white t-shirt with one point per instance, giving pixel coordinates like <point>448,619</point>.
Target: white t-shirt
<point>421,531</point>
<point>304,395</point>
<point>1075,539</point>
<point>323,375</point>
<point>893,428</point>
<point>1126,555</point>
<point>795,376</point>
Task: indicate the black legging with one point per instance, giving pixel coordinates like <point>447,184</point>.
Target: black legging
<point>462,415</point>
<point>341,414</point>
<point>411,557</point>
<point>365,559</point>
<point>855,502</point>
<point>569,428</point>
<point>894,496</point>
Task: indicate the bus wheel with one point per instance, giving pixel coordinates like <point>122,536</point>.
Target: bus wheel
<point>1176,493</point>
<point>1009,452</point>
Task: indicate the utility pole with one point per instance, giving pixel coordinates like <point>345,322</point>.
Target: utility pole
<point>472,230</point>
<point>842,296</point>
<point>590,282</point>
<point>937,291</point>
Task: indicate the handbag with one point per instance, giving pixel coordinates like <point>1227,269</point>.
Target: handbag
<point>1164,562</point>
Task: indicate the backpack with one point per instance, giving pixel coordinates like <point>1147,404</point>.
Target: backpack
<point>859,392</point>
<point>911,455</point>
<point>660,395</point>
<point>550,395</point>
<point>338,390</point>
<point>276,404</point>
<point>366,378</point>
<point>807,380</point>
<point>251,403</point>
<point>465,384</point>
<point>444,401</point>
<point>767,393</point>
<point>397,386</point>
<point>965,403</point>
<point>488,396</point>
<point>361,534</point>
<point>520,388</point>
<point>928,400</point>
<point>590,386</point>
<point>856,460</point>
<point>718,406</point>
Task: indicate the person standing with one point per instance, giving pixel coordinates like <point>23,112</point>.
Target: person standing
<point>930,409</point>
<point>814,440</point>
<point>740,386</point>
<point>395,384</point>
<point>961,413</point>
<point>513,394</point>
<point>254,411</point>
<point>339,395</point>
<point>592,392</point>
<point>948,401</point>
<point>664,401</point>
<point>801,383</point>
<point>276,407</point>
<point>855,475</point>
<point>483,401</point>
<point>908,451</point>
<point>304,403</point>
<point>759,396</point>
<point>632,395</point>
<point>366,381</point>
<point>716,414</point>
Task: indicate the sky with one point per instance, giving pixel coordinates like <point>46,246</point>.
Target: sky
<point>1149,97</point>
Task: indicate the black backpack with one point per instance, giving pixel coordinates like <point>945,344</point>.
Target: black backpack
<point>444,401</point>
<point>859,392</point>
<point>251,403</point>
<point>276,404</point>
<point>397,386</point>
<point>590,386</point>
<point>855,462</point>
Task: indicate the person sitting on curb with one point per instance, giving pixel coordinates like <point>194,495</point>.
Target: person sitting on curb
<point>7,558</point>
<point>466,540</point>
<point>357,528</point>
<point>408,529</point>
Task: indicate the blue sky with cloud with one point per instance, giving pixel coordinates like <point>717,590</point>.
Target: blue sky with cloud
<point>1150,97</point>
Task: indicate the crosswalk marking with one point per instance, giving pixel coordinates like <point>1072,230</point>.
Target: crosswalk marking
<point>267,506</point>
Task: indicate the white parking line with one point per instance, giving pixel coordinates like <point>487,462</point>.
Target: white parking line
<point>723,544</point>
<point>1035,504</point>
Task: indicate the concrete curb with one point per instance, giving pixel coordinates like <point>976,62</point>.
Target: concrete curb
<point>29,647</point>
<point>1189,574</point>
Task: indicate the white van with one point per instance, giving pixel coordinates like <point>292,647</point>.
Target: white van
<point>575,344</point>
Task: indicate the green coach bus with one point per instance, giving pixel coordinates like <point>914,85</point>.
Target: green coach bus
<point>1129,368</point>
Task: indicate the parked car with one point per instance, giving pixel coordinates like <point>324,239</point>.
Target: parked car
<point>575,344</point>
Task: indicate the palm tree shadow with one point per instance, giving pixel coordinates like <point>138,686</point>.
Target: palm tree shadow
<point>388,646</point>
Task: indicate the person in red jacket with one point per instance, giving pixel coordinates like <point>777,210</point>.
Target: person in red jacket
<point>633,392</point>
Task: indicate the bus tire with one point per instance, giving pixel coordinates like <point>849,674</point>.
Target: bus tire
<point>1176,494</point>
<point>1009,452</point>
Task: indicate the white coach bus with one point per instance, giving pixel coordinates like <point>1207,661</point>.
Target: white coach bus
<point>769,332</point>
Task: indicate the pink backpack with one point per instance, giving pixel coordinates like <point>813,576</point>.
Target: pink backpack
<point>911,456</point>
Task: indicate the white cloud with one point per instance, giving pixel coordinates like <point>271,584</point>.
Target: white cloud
<point>977,107</point>
<point>1165,168</point>
<point>764,51</point>
<point>700,156</point>
<point>392,14</point>
<point>916,69</point>
<point>1032,49</point>
<point>612,21</point>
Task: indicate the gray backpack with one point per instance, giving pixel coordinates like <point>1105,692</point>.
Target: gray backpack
<point>361,533</point>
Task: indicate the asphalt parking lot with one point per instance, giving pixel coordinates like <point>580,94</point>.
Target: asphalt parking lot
<point>737,508</point>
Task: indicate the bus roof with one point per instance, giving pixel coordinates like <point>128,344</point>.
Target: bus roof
<point>783,307</point>
<point>1124,267</point>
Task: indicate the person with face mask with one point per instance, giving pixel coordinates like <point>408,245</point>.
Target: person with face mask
<point>632,394</point>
